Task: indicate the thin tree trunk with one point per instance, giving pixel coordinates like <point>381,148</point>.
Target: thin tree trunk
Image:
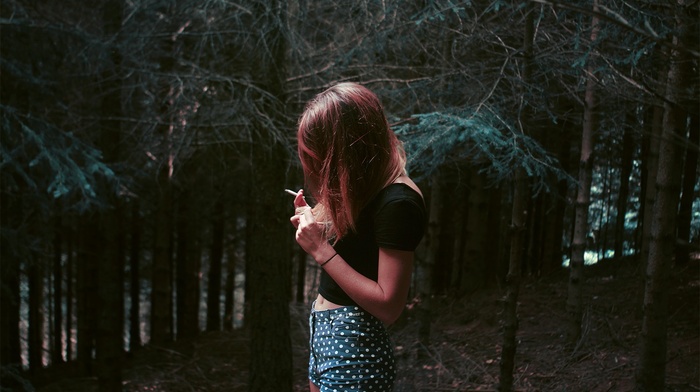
<point>473,273</point>
<point>651,163</point>
<point>424,268</point>
<point>574,304</point>
<point>111,259</point>
<point>685,211</point>
<point>35,333</point>
<point>10,349</point>
<point>188,262</point>
<point>448,265</point>
<point>300,296</point>
<point>215,261</point>
<point>70,284</point>
<point>623,194</point>
<point>518,228</point>
<point>229,301</point>
<point>135,278</point>
<point>87,293</point>
<point>510,304</point>
<point>651,372</point>
<point>161,283</point>
<point>57,347</point>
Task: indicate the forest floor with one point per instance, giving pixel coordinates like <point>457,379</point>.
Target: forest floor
<point>466,339</point>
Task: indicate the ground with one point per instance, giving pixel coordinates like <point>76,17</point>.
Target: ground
<point>466,340</point>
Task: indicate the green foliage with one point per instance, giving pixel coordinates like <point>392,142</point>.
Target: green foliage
<point>35,156</point>
<point>435,139</point>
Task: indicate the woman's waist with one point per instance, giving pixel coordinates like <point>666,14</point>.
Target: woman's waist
<point>322,303</point>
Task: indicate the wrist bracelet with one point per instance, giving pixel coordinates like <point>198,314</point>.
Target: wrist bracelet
<point>329,259</point>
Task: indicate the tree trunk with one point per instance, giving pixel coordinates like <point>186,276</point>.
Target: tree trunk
<point>301,275</point>
<point>473,274</point>
<point>57,344</point>
<point>651,163</point>
<point>161,280</point>
<point>35,333</point>
<point>268,286</point>
<point>87,293</point>
<point>518,228</point>
<point>135,278</point>
<point>111,259</point>
<point>229,301</point>
<point>685,211</point>
<point>424,268</point>
<point>510,304</point>
<point>449,261</point>
<point>574,303</point>
<point>268,267</point>
<point>70,284</point>
<point>188,263</point>
<point>651,372</point>
<point>623,194</point>
<point>498,255</point>
<point>215,261</point>
<point>10,349</point>
<point>110,332</point>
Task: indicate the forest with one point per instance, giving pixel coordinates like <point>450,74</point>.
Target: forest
<point>145,242</point>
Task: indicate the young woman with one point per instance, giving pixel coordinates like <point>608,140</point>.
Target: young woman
<point>363,230</point>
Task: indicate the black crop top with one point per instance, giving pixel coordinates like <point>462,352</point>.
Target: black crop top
<point>394,219</point>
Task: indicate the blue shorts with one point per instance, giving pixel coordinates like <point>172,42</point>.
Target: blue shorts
<point>349,351</point>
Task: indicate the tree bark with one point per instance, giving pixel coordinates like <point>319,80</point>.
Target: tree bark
<point>57,343</point>
<point>87,293</point>
<point>229,301</point>
<point>685,210</point>
<point>651,372</point>
<point>216,255</point>
<point>70,288</point>
<point>10,349</point>
<point>35,332</point>
<point>474,262</point>
<point>188,266</point>
<point>518,228</point>
<point>510,304</point>
<point>161,280</point>
<point>135,278</point>
<point>623,194</point>
<point>268,267</point>
<point>301,258</point>
<point>574,303</point>
<point>425,267</point>
<point>111,255</point>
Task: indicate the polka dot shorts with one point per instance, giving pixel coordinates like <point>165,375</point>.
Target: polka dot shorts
<point>349,351</point>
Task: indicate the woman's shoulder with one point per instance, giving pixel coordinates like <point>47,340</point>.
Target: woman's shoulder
<point>398,192</point>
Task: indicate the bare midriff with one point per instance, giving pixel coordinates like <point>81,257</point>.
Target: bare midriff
<point>324,304</point>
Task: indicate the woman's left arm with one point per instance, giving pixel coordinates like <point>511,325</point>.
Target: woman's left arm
<point>385,298</point>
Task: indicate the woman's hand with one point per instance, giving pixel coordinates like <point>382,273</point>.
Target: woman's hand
<point>310,234</point>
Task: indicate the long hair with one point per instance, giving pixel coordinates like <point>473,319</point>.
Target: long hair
<point>348,154</point>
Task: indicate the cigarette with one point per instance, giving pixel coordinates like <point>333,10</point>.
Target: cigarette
<point>291,192</point>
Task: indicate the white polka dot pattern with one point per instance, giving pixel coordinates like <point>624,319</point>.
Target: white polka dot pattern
<point>349,351</point>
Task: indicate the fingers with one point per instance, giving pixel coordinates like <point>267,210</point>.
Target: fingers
<point>299,200</point>
<point>308,216</point>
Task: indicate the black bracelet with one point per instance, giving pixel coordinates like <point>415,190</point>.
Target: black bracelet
<point>329,259</point>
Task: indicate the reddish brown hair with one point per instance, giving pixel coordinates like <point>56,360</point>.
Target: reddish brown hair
<point>348,153</point>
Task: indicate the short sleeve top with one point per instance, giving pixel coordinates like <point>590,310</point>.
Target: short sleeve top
<point>395,219</point>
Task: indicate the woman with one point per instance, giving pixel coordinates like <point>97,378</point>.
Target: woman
<point>363,231</point>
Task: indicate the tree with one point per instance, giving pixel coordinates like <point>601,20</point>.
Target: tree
<point>574,303</point>
<point>268,280</point>
<point>216,255</point>
<point>111,255</point>
<point>652,356</point>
